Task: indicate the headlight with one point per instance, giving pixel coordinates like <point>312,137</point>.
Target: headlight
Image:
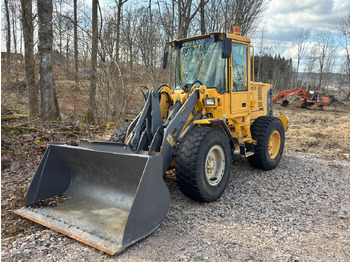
<point>210,101</point>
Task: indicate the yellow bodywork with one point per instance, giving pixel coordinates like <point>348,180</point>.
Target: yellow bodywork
<point>284,121</point>
<point>238,120</point>
<point>237,109</point>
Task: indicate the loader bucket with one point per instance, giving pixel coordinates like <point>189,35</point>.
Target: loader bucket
<point>113,197</point>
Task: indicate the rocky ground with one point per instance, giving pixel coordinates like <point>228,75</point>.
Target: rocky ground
<point>298,212</point>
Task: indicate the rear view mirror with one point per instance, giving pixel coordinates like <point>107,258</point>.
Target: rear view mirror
<point>165,59</point>
<point>226,48</point>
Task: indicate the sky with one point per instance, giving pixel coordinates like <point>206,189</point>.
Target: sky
<point>284,19</point>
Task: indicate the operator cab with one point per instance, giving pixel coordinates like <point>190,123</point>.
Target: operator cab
<point>200,60</point>
<point>219,61</point>
<point>205,60</point>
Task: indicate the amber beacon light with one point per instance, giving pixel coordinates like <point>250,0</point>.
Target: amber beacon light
<point>236,30</point>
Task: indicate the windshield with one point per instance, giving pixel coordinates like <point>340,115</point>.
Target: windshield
<point>200,59</point>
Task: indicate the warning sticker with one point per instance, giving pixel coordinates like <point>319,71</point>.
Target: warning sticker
<point>170,140</point>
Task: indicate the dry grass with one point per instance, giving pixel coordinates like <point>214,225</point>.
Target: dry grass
<point>324,132</point>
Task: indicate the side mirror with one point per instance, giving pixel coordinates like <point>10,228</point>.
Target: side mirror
<point>226,48</point>
<point>165,59</point>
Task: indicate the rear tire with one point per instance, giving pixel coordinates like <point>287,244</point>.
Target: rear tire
<point>118,135</point>
<point>304,105</point>
<point>203,162</point>
<point>269,133</point>
<point>285,103</point>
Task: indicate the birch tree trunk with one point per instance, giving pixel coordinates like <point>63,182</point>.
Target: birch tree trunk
<point>120,4</point>
<point>29,61</point>
<point>90,113</point>
<point>202,12</point>
<point>8,42</point>
<point>49,103</point>
<point>14,30</point>
<point>76,68</point>
<point>344,40</point>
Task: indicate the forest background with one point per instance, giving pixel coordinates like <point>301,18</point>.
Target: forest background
<point>100,52</point>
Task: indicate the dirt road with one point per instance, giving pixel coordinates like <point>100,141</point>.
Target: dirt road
<point>298,212</point>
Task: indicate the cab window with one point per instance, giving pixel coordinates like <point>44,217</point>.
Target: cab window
<point>200,60</point>
<point>239,65</point>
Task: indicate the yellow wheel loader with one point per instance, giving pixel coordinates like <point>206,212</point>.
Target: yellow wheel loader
<point>114,193</point>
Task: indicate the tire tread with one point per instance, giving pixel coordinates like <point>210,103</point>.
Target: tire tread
<point>187,163</point>
<point>119,134</point>
<point>258,130</point>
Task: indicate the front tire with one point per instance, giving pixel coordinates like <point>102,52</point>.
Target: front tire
<point>269,133</point>
<point>203,161</point>
<point>119,134</point>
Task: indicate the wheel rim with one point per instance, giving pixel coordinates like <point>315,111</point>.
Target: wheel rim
<point>215,165</point>
<point>274,144</point>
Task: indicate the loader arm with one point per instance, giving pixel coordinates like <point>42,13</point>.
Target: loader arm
<point>149,135</point>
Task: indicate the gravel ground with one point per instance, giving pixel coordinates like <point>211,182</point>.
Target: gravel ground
<point>298,212</point>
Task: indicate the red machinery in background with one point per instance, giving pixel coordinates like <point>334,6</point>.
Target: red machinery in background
<point>308,98</point>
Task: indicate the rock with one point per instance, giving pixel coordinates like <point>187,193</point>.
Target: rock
<point>15,166</point>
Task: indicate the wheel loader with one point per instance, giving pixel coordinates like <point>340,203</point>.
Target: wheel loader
<point>113,191</point>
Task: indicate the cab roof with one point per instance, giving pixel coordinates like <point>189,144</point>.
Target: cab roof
<point>234,37</point>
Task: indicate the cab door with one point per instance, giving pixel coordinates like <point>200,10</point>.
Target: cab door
<point>239,79</point>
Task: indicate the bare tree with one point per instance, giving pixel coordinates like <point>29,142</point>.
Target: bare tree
<point>213,15</point>
<point>202,16</point>
<point>166,14</point>
<point>344,33</point>
<point>14,9</point>
<point>8,42</point>
<point>186,15</point>
<point>90,113</point>
<point>29,61</point>
<point>111,89</point>
<point>68,27</point>
<point>49,103</point>
<point>120,4</point>
<point>129,32</point>
<point>325,52</point>
<point>75,24</point>
<point>243,13</point>
<point>58,20</point>
<point>261,53</point>
<point>301,42</point>
<point>310,68</point>
<point>150,47</point>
